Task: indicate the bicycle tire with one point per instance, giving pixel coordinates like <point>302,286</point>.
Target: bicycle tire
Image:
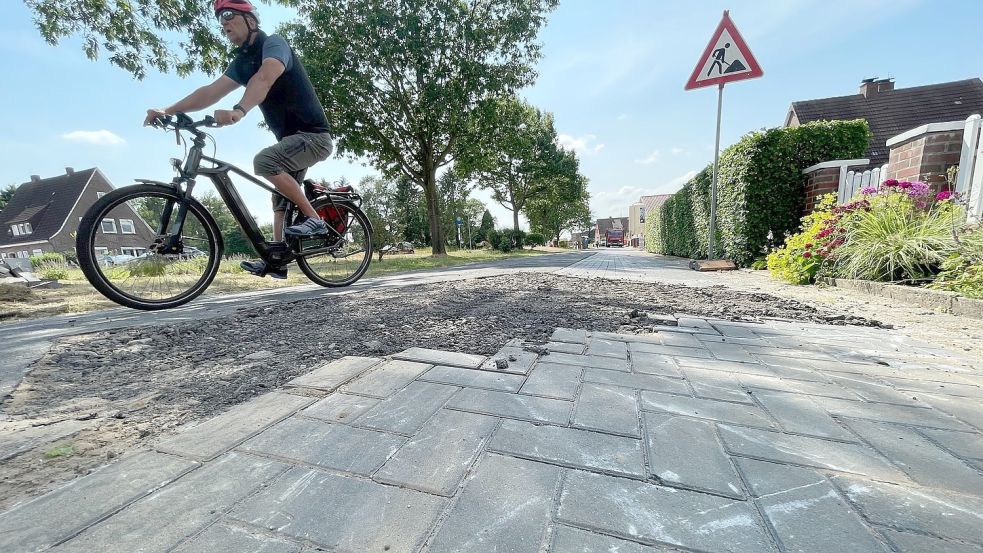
<point>363,242</point>
<point>88,234</point>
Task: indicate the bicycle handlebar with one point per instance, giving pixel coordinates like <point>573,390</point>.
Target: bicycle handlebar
<point>181,122</point>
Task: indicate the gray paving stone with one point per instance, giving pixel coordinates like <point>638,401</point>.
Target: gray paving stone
<point>736,331</point>
<point>595,361</point>
<point>797,386</point>
<point>405,411</point>
<point>681,339</point>
<point>567,539</point>
<point>455,437</point>
<point>222,538</point>
<point>695,322</point>
<point>437,357</point>
<point>725,366</point>
<point>513,406</point>
<point>553,380</point>
<point>729,352</point>
<point>566,347</point>
<point>804,520</point>
<point>659,515</point>
<point>607,408</point>
<point>873,390</point>
<point>654,363</point>
<point>323,444</point>
<point>347,514</point>
<point>716,385</point>
<point>800,415</point>
<point>385,379</point>
<point>923,461</point>
<point>935,512</point>
<point>786,359</point>
<point>340,407</point>
<point>916,543</point>
<point>637,381</point>
<point>687,452</point>
<point>51,518</point>
<point>504,507</point>
<point>335,373</point>
<point>749,415</point>
<point>675,351</point>
<point>471,378</point>
<point>219,434</point>
<point>811,452</point>
<point>159,521</point>
<point>967,410</point>
<point>607,348</point>
<point>964,445</point>
<point>569,335</point>
<point>16,440</point>
<point>884,412</point>
<point>766,478</point>
<point>570,447</point>
<point>519,360</point>
<point>939,388</point>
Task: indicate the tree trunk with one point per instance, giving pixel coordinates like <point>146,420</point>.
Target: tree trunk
<point>515,219</point>
<point>433,208</point>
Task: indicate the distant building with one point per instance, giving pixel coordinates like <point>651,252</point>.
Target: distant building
<point>637,214</point>
<point>609,223</point>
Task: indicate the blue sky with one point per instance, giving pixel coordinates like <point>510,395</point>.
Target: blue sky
<point>612,73</point>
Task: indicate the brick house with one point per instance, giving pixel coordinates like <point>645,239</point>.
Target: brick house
<point>893,115</point>
<point>43,216</point>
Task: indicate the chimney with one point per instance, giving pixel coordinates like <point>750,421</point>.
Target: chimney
<point>35,178</point>
<point>69,171</point>
<point>873,86</point>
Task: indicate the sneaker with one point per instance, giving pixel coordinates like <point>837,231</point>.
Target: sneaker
<point>309,226</point>
<point>260,269</point>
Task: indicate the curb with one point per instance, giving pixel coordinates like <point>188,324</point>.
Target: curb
<point>946,302</point>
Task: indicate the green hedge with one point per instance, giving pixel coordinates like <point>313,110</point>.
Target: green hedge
<point>760,189</point>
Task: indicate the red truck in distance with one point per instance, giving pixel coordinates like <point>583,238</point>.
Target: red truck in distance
<point>614,237</point>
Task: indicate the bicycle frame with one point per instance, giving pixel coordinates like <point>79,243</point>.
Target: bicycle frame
<point>219,175</point>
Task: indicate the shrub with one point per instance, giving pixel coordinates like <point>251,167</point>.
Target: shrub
<point>759,190</point>
<point>535,239</point>
<point>493,237</point>
<point>963,271</point>
<point>47,258</point>
<point>53,272</point>
<point>564,244</point>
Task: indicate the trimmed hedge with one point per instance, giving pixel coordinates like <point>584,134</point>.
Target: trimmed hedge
<point>760,189</point>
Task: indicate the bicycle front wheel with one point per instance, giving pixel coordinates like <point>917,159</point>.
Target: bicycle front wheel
<point>119,248</point>
<point>339,261</point>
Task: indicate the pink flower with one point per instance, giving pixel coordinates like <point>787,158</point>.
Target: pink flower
<point>868,191</point>
<point>944,195</point>
<point>904,184</point>
<point>808,246</point>
<point>807,255</point>
<point>891,182</point>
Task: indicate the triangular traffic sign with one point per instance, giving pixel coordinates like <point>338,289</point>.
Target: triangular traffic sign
<point>727,58</point>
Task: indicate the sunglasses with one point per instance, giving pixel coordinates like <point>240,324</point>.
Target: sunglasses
<point>227,15</point>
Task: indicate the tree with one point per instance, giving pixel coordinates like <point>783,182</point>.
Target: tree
<point>487,224</point>
<point>135,34</point>
<point>401,81</point>
<point>517,157</point>
<point>565,206</point>
<point>378,202</point>
<point>6,194</point>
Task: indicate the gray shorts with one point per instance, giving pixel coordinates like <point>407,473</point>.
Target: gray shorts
<point>294,154</point>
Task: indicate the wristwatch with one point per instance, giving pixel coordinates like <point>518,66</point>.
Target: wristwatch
<point>240,108</point>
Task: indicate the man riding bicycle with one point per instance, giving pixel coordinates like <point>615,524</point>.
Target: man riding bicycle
<point>277,82</point>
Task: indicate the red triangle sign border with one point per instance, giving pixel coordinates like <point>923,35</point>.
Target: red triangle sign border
<point>755,69</point>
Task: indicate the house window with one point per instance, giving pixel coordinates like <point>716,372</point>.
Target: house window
<point>24,254</point>
<point>135,252</point>
<point>15,230</point>
<point>21,229</point>
<point>102,251</point>
<point>109,226</point>
<point>126,226</point>
<point>37,252</point>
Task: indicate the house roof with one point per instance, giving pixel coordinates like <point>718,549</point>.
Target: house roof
<point>45,204</point>
<point>609,223</point>
<point>652,203</point>
<point>892,112</point>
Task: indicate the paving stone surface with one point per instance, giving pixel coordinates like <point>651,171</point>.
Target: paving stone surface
<point>711,436</point>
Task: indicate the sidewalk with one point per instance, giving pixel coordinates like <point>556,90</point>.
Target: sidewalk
<point>711,436</point>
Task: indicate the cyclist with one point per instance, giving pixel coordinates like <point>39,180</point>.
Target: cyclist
<point>277,82</point>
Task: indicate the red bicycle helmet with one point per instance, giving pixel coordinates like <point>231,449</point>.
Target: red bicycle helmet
<point>239,5</point>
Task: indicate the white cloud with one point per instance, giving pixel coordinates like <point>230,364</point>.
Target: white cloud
<point>580,144</point>
<point>652,158</point>
<point>675,184</point>
<point>678,151</point>
<point>99,138</point>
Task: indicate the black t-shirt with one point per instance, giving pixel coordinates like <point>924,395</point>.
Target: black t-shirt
<point>291,106</point>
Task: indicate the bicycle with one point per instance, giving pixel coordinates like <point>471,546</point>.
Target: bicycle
<point>181,243</point>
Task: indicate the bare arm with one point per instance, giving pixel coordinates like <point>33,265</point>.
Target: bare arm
<point>256,90</point>
<point>197,100</point>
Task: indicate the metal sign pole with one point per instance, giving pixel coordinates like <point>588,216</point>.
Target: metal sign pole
<point>716,171</point>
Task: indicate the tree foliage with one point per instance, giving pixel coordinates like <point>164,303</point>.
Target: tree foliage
<point>137,35</point>
<point>401,81</point>
<point>6,193</point>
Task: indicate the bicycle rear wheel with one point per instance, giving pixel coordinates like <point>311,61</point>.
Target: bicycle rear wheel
<point>347,258</point>
<point>119,241</point>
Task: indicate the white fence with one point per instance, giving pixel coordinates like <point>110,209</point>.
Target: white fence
<point>969,185</point>
<point>852,182</point>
